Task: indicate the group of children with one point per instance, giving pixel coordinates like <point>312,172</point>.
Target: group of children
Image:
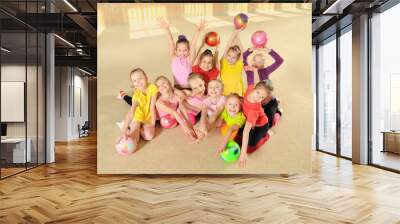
<point>207,91</point>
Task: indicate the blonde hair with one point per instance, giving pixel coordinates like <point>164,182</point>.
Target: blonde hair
<point>193,76</point>
<point>138,70</point>
<point>236,96</point>
<point>267,85</point>
<point>217,81</point>
<point>258,55</point>
<point>236,49</point>
<point>161,77</point>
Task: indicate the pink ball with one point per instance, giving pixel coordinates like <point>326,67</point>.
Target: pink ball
<point>259,39</point>
<point>125,147</point>
<point>168,121</point>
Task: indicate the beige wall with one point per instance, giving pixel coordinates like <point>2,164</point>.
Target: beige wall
<point>71,102</point>
<point>128,37</point>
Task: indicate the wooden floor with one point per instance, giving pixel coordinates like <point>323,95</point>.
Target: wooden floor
<point>387,159</point>
<point>69,191</point>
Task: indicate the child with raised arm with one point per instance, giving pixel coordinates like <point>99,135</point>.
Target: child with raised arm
<point>206,63</point>
<point>232,66</point>
<point>254,59</point>
<point>182,53</point>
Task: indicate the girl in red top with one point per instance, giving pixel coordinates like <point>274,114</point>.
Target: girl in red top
<point>206,64</point>
<point>256,104</point>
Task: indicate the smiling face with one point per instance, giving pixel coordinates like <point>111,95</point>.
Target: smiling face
<point>258,95</point>
<point>232,106</point>
<point>139,80</point>
<point>182,50</point>
<point>206,63</point>
<point>214,88</point>
<point>232,57</point>
<point>197,85</point>
<point>163,86</point>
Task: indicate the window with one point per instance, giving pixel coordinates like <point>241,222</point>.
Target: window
<point>327,96</point>
<point>346,92</point>
<point>385,89</point>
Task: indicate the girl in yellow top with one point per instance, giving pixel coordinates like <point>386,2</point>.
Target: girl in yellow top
<point>232,66</point>
<point>141,119</point>
<point>231,119</point>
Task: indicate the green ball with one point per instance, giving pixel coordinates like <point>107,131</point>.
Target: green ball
<point>231,152</point>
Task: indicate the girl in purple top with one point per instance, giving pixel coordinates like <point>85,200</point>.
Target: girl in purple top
<point>182,54</point>
<point>254,63</point>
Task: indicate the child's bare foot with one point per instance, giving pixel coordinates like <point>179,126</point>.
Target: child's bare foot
<point>121,95</point>
<point>200,136</point>
<point>191,134</point>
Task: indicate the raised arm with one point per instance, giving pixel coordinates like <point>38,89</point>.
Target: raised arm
<point>247,67</point>
<point>165,25</point>
<point>239,43</point>
<point>193,43</point>
<point>216,61</point>
<point>196,61</point>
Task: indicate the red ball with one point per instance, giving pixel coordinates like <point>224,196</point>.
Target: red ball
<point>212,39</point>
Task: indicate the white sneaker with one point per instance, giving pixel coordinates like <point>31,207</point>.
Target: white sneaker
<point>120,124</point>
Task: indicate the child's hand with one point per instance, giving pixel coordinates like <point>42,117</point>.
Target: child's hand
<point>201,25</point>
<point>249,68</point>
<point>181,95</point>
<point>242,159</point>
<point>187,92</point>
<point>124,134</point>
<point>163,23</point>
<point>236,31</point>
<point>219,123</point>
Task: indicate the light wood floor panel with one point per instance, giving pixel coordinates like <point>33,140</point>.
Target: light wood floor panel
<point>70,191</point>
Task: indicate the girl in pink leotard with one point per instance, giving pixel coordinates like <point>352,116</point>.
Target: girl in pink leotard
<point>182,54</point>
<point>170,108</point>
